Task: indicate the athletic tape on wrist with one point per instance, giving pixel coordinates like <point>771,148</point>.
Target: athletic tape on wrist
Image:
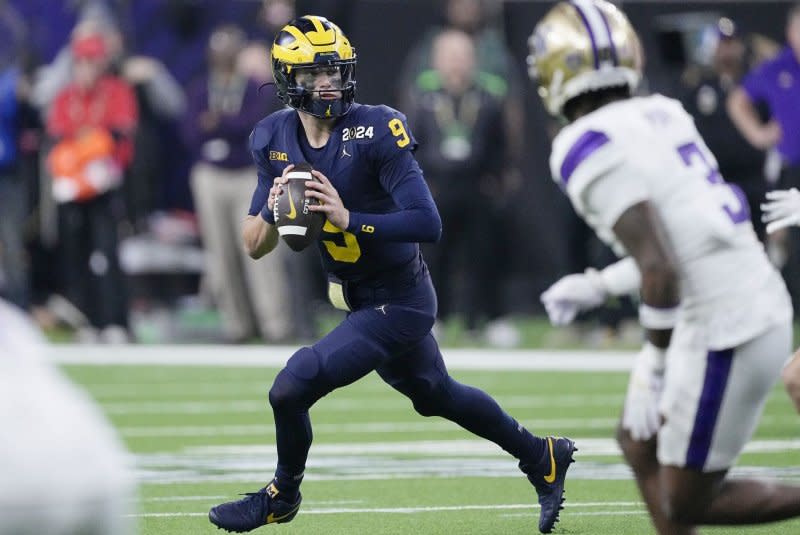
<point>657,318</point>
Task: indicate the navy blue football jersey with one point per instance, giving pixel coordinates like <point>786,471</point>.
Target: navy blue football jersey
<point>369,161</point>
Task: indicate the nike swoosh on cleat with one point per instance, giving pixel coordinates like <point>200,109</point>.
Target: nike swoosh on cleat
<point>271,518</point>
<point>549,478</point>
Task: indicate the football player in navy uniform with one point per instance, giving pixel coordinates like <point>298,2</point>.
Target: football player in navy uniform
<point>377,208</point>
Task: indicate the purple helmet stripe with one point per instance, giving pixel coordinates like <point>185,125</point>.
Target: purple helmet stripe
<point>589,142</point>
<point>610,39</point>
<point>591,34</point>
<point>718,367</point>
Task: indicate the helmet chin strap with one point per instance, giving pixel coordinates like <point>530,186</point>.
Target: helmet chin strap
<point>324,108</point>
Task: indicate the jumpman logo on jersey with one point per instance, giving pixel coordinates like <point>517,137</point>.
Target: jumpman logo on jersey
<point>344,152</point>
<point>382,308</point>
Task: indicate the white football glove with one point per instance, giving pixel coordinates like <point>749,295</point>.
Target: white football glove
<point>782,209</point>
<point>572,294</point>
<point>641,416</point>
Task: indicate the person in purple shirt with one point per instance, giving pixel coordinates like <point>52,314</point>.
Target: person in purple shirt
<point>222,108</point>
<point>776,83</point>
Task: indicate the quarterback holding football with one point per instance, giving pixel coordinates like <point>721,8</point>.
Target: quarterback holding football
<point>377,210</point>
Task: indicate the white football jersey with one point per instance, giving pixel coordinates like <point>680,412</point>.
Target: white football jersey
<point>647,148</point>
<point>63,471</point>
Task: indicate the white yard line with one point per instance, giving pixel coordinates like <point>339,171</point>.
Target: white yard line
<point>167,431</point>
<point>635,512</point>
<point>589,447</point>
<point>434,509</point>
<point>403,460</point>
<point>171,499</point>
<point>261,430</point>
<point>276,356</point>
<point>342,405</point>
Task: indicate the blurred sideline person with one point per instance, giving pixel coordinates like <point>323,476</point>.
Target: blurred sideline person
<point>705,92</point>
<point>481,20</point>
<point>776,83</point>
<point>253,61</point>
<point>62,467</point>
<point>640,174</point>
<point>92,123</point>
<point>459,124</point>
<point>223,105</point>
<point>500,75</point>
<point>782,210</point>
<point>160,101</point>
<point>14,189</point>
<point>377,208</point>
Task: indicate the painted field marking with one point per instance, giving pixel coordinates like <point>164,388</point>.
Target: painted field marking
<point>276,356</point>
<point>260,430</point>
<point>342,405</point>
<point>435,509</point>
<point>589,447</point>
<point>172,499</point>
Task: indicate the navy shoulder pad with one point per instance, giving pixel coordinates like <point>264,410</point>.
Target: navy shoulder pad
<point>391,128</point>
<point>266,127</point>
<point>376,113</point>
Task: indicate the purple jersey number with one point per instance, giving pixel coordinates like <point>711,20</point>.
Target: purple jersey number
<point>738,214</point>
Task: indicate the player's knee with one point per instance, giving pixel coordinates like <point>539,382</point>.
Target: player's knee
<point>791,379</point>
<point>425,407</point>
<point>431,399</point>
<point>295,385</point>
<point>681,508</point>
<point>639,455</point>
<point>626,443</point>
<point>284,392</point>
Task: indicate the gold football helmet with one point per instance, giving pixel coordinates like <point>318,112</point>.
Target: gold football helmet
<point>582,46</point>
<point>312,43</point>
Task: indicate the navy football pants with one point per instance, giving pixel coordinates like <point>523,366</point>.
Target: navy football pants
<point>395,340</point>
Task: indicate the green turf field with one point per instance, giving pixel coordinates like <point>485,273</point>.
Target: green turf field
<point>200,435</point>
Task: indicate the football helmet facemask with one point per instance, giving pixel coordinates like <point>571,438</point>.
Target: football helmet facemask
<point>582,46</point>
<point>314,45</point>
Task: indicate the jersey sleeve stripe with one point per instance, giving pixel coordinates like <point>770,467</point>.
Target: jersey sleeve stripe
<point>583,148</point>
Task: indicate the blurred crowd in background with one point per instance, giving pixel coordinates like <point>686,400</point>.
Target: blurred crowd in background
<point>125,172</point>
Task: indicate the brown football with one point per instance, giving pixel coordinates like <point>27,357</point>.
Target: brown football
<point>297,225</point>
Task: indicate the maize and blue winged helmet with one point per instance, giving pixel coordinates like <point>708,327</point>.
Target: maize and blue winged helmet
<point>582,46</point>
<point>313,43</point>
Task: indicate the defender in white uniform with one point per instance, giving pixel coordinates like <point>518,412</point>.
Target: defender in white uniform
<point>62,469</point>
<point>717,314</point>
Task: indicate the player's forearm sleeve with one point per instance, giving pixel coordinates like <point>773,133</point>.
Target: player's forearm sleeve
<point>418,223</point>
<point>417,219</point>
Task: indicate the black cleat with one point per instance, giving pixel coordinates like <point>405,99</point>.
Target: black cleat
<point>550,486</point>
<point>256,509</point>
